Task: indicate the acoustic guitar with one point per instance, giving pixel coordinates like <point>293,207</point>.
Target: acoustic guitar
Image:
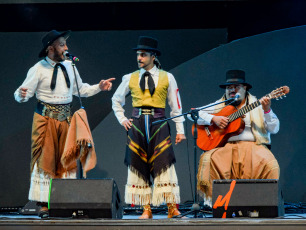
<point>211,136</point>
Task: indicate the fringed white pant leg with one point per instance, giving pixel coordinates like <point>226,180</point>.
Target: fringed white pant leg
<point>39,188</point>
<point>166,189</point>
<point>40,183</point>
<point>137,191</point>
<point>207,200</point>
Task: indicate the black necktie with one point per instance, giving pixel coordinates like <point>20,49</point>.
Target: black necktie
<point>150,83</point>
<point>54,76</point>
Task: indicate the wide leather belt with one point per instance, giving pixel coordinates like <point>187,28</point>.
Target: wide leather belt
<point>60,112</point>
<point>155,112</point>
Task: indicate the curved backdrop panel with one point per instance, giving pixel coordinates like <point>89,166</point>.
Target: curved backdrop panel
<point>270,60</point>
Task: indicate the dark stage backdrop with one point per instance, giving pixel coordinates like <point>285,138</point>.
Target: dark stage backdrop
<point>270,60</point>
<point>102,55</point>
<point>198,62</point>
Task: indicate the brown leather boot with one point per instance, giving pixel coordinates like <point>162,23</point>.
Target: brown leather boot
<point>172,210</point>
<point>147,212</point>
<point>43,212</point>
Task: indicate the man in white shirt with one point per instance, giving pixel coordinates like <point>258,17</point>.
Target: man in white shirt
<point>149,149</point>
<point>52,80</point>
<point>245,155</point>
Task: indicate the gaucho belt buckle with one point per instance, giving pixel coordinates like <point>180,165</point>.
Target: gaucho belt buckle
<point>44,111</point>
<point>61,116</point>
<point>146,111</point>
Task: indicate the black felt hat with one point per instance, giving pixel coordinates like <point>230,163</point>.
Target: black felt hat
<point>49,38</point>
<point>234,77</point>
<point>149,44</point>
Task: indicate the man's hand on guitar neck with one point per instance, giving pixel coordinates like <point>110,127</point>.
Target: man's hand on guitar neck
<point>266,103</point>
<point>220,121</point>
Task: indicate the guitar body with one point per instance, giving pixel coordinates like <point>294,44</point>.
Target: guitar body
<point>211,136</point>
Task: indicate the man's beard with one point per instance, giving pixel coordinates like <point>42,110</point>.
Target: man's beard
<point>236,103</point>
<point>58,56</point>
<point>241,92</point>
<point>141,63</point>
<point>233,103</point>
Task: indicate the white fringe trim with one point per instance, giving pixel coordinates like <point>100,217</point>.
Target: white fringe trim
<point>166,194</point>
<point>207,200</point>
<point>165,189</point>
<point>138,195</point>
<point>40,183</point>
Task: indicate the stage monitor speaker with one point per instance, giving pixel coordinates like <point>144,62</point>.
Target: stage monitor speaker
<point>247,198</point>
<point>85,198</point>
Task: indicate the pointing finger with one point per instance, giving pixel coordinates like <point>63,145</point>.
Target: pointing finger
<point>110,79</point>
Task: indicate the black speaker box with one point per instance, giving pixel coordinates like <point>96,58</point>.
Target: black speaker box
<point>249,198</point>
<point>30,208</point>
<point>85,198</point>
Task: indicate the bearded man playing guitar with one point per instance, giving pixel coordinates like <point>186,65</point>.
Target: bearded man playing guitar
<point>238,145</point>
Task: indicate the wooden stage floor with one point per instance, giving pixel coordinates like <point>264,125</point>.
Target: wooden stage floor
<point>159,222</point>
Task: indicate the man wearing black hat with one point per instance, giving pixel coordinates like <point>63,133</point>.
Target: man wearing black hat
<point>52,80</point>
<point>149,149</point>
<point>244,156</point>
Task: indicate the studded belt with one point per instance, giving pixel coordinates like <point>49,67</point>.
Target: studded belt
<point>59,112</point>
<point>155,112</point>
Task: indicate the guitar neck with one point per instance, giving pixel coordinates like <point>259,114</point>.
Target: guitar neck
<point>243,110</point>
<point>275,94</point>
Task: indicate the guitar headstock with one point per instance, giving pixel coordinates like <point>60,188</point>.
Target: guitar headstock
<point>279,92</point>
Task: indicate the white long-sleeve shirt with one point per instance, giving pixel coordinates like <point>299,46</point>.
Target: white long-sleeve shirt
<point>38,82</point>
<point>174,101</point>
<point>271,124</point>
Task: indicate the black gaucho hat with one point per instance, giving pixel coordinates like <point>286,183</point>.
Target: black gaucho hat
<point>235,77</point>
<point>149,44</point>
<point>49,38</point>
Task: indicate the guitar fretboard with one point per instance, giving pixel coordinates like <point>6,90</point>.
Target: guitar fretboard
<point>243,111</point>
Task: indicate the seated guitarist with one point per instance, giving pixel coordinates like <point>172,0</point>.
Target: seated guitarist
<point>244,156</point>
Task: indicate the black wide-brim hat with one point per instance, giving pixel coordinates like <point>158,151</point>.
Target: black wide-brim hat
<point>149,44</point>
<point>49,38</point>
<point>235,77</point>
